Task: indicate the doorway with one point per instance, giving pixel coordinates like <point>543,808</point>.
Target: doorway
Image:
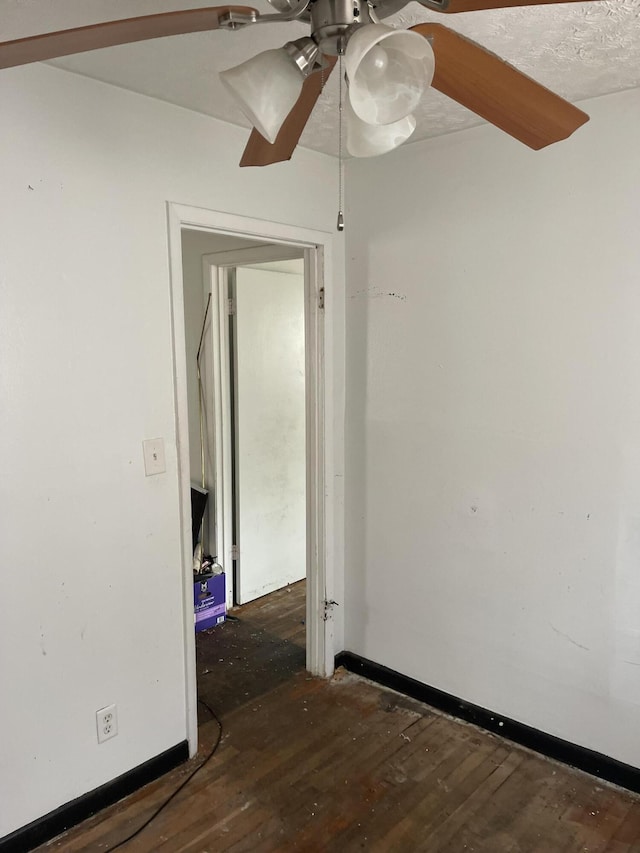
<point>312,249</point>
<point>263,419</point>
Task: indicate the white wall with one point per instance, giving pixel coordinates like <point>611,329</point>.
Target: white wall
<point>493,418</point>
<point>90,587</point>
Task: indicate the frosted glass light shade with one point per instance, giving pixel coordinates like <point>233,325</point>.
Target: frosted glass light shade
<point>387,71</point>
<point>369,140</point>
<point>265,88</point>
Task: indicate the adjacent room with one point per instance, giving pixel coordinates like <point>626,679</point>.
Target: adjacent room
<point>244,318</point>
<point>320,382</point>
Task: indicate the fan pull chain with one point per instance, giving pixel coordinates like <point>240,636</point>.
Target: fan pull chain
<point>340,224</point>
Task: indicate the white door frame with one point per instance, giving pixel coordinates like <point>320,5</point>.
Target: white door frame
<point>322,548</point>
<point>214,269</point>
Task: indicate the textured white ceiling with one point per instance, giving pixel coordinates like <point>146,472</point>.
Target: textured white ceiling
<point>578,50</point>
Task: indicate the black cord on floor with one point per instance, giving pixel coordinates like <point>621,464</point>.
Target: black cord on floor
<point>178,789</point>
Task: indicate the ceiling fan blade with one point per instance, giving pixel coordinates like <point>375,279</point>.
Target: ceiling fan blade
<point>498,92</point>
<point>260,152</point>
<point>452,6</point>
<point>65,42</point>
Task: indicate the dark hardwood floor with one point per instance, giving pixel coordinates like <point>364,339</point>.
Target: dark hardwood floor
<point>343,765</point>
<point>261,646</point>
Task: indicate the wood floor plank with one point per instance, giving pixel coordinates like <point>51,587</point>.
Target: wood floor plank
<point>430,803</point>
<point>598,811</point>
<point>360,797</point>
<point>627,833</point>
<point>400,780</point>
<point>445,835</point>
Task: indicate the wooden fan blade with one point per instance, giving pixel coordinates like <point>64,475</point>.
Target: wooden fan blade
<point>452,6</point>
<point>260,152</point>
<point>110,33</point>
<point>498,92</point>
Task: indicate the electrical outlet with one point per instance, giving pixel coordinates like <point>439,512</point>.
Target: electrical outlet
<point>107,723</point>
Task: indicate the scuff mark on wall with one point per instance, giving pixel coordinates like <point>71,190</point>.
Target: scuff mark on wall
<point>571,640</point>
<point>376,293</point>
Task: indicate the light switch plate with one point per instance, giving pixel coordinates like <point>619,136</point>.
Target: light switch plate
<point>154,461</point>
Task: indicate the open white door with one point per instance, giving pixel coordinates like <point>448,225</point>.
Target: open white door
<point>270,453</point>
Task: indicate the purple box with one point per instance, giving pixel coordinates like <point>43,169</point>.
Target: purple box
<point>209,601</point>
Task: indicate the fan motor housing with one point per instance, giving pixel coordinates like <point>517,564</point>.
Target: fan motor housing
<point>331,21</point>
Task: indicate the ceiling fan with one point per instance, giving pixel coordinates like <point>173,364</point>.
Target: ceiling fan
<point>387,71</point>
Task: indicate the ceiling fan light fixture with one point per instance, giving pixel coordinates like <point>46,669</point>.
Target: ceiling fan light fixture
<point>370,140</point>
<point>387,71</point>
<point>266,88</point>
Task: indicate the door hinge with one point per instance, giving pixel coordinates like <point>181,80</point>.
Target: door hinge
<point>231,306</point>
<point>328,608</point>
<point>321,298</point>
<point>235,552</point>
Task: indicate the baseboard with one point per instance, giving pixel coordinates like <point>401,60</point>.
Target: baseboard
<point>64,817</point>
<point>595,763</point>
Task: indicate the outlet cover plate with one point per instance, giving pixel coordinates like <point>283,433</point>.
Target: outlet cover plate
<point>107,723</point>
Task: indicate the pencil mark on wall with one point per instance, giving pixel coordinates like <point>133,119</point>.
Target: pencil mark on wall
<point>571,640</point>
